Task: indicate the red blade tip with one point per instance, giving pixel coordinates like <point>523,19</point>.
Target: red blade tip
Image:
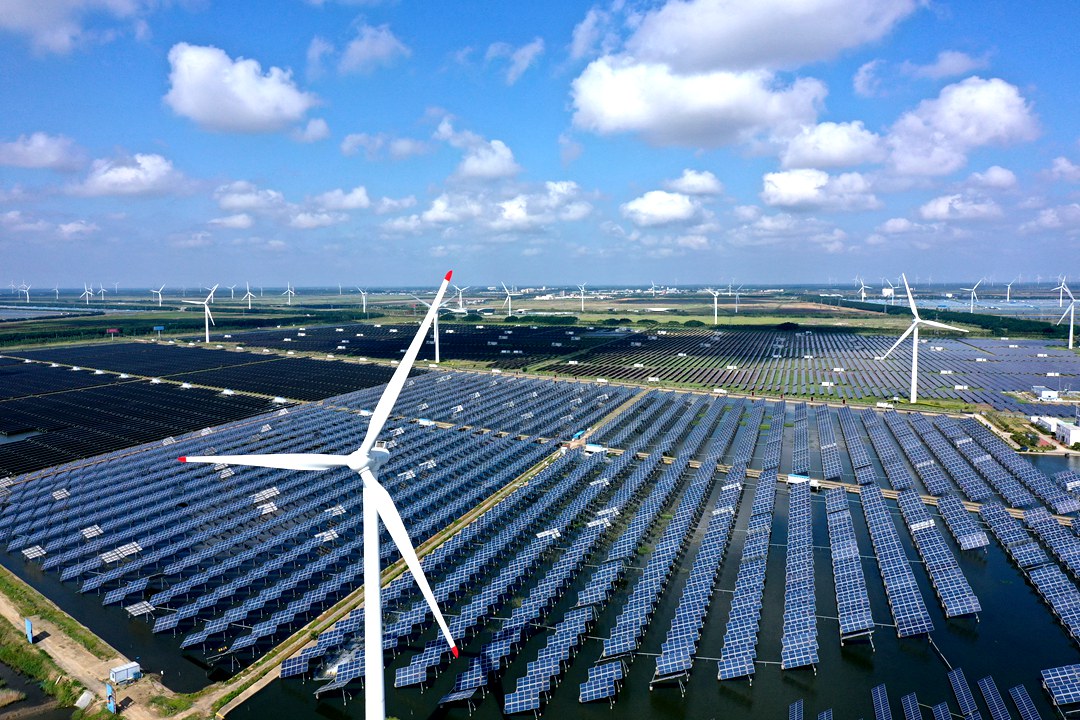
<point>454,650</point>
<point>182,459</point>
<point>448,274</point>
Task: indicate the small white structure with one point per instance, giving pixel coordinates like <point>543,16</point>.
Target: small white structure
<point>1067,433</point>
<point>1044,394</point>
<point>1049,424</point>
<point>125,673</point>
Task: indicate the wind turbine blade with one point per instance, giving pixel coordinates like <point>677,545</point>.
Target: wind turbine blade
<point>394,525</point>
<point>192,302</point>
<point>911,300</point>
<point>900,340</point>
<point>209,316</point>
<point>283,461</point>
<point>1067,311</point>
<point>943,326</point>
<point>397,381</point>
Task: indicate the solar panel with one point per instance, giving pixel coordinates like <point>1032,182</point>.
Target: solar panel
<point>962,691</point>
<point>990,694</point>
<point>941,712</point>
<point>881,703</point>
<point>1063,684</point>
<point>910,703</point>
<point>795,710</point>
<point>1022,701</point>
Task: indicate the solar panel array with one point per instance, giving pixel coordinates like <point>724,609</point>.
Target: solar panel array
<point>952,588</point>
<point>957,468</point>
<point>680,645</point>
<point>926,467</point>
<point>1063,684</point>
<point>905,599</point>
<point>880,698</point>
<point>895,469</point>
<point>999,478</point>
<point>544,672</point>
<point>799,640</point>
<point>860,458</point>
<point>830,455</point>
<point>910,704</point>
<point>800,452</point>
<point>1060,501</point>
<point>852,602</point>
<point>969,536</point>
<point>962,692</point>
<point>1064,545</point>
<point>993,699</point>
<point>1055,588</point>
<point>1022,701</point>
<point>740,635</point>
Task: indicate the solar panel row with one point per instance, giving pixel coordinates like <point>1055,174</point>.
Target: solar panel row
<point>852,602</point>
<point>799,645</point>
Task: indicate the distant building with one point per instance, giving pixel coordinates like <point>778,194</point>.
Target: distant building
<point>1044,394</point>
<point>1049,424</point>
<point>1067,433</point>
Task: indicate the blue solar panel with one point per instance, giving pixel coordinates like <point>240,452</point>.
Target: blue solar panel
<point>881,703</point>
<point>795,710</point>
<point>962,691</point>
<point>1063,684</point>
<point>1023,703</point>
<point>910,703</point>
<point>990,694</point>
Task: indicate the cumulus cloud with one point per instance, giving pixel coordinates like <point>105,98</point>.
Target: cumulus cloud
<point>315,130</point>
<point>949,63</point>
<point>18,221</point>
<point>245,196</point>
<point>240,221</point>
<point>388,205</point>
<point>593,34</point>
<point>866,81</point>
<point>697,35</point>
<point>995,177</point>
<point>713,108</point>
<point>484,159</point>
<point>935,137</point>
<point>317,50</point>
<point>355,199</point>
<point>1063,217</point>
<point>40,150</point>
<point>831,144</point>
<point>659,207</point>
<point>373,47</point>
<point>375,146</point>
<point>694,182</point>
<point>76,229</point>
<point>220,93</point>
<point>812,189</point>
<point>312,220</point>
<point>57,26</point>
<point>959,207</point>
<point>143,174</point>
<point>1065,169</point>
<point>521,59</point>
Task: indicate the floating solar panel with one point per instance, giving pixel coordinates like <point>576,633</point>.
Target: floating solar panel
<point>799,640</point>
<point>910,704</point>
<point>881,703</point>
<point>962,691</point>
<point>990,694</point>
<point>1023,703</point>
<point>968,535</point>
<point>825,715</point>
<point>1062,684</point>
<point>795,710</point>
<point>941,712</point>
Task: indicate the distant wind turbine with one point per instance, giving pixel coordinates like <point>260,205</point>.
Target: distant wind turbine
<point>289,292</point>
<point>582,288</point>
<point>87,293</point>
<point>1070,311</point>
<point>232,291</point>
<point>158,293</point>
<point>363,300</point>
<point>209,319</point>
<point>913,330</point>
<point>509,303</point>
<point>460,293</point>
<point>974,296</point>
<point>248,295</point>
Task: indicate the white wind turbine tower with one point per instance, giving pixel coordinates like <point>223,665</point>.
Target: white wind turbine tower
<point>1070,310</point>
<point>87,293</point>
<point>581,287</point>
<point>158,293</point>
<point>460,293</point>
<point>116,288</point>
<point>248,295</point>
<point>289,292</point>
<point>232,291</point>
<point>1008,291</point>
<point>737,290</point>
<point>509,303</point>
<point>377,503</point>
<point>974,297</point>
<point>862,289</point>
<point>206,311</point>
<point>26,289</point>
<point>913,329</point>
<point>363,300</point>
<point>715,298</point>
<point>436,323</point>
<point>102,291</point>
<point>1061,290</point>
<point>56,289</point>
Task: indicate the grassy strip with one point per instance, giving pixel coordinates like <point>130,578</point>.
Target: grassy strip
<point>30,603</point>
<point>168,706</point>
<point>33,662</point>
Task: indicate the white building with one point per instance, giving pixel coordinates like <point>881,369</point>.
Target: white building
<point>1049,424</point>
<point>1044,394</point>
<point>1067,433</point>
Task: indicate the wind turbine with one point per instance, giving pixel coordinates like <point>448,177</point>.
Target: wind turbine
<point>509,303</point>
<point>26,289</point>
<point>715,297</point>
<point>288,293</point>
<point>116,288</point>
<point>248,295</point>
<point>87,293</point>
<point>913,330</point>
<point>377,503</point>
<point>158,293</point>
<point>1070,310</point>
<point>1061,290</point>
<point>102,291</point>
<point>460,292</point>
<point>436,331</point>
<point>862,289</point>
<point>582,288</point>
<point>737,298</point>
<point>1008,291</point>
<point>975,297</point>
<point>56,289</point>
<point>232,291</point>
<point>363,300</point>
<point>206,311</point>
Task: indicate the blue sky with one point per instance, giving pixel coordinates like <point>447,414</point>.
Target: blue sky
<point>147,141</point>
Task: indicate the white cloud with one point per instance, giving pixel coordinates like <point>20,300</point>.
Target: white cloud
<point>354,142</point>
<point>866,81</point>
<point>242,195</point>
<point>374,145</point>
<point>143,174</point>
<point>614,95</point>
<point>959,207</point>
<point>388,205</point>
<point>484,160</point>
<point>1056,218</point>
<point>57,26</point>
<point>317,50</point>
<point>372,47</point>
<point>452,209</point>
<point>75,229</point>
<point>830,144</point>
<point>355,199</point>
<point>18,221</point>
<point>949,63</point>
<point>407,147</point>
<point>934,139</point>
<point>810,189</point>
<point>521,59</point>
<point>658,207</point>
<point>315,130</point>
<point>694,182</point>
<point>311,220</point>
<point>40,150</point>
<point>240,221</point>
<point>591,34</point>
<point>995,177</point>
<point>1065,169</point>
<point>897,226</point>
<point>219,93</point>
<point>697,35</point>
